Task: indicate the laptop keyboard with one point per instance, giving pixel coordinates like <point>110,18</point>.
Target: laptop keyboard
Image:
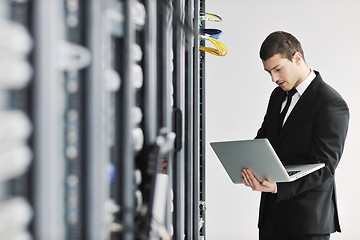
<point>292,172</point>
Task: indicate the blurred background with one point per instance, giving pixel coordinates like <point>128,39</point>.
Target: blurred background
<point>101,120</point>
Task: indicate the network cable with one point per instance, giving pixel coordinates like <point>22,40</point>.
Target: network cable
<point>209,17</point>
<point>214,33</point>
<point>220,49</point>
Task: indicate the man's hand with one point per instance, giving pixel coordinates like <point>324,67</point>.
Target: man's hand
<point>250,181</point>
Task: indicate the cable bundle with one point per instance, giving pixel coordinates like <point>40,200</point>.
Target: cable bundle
<point>220,49</point>
<point>212,35</point>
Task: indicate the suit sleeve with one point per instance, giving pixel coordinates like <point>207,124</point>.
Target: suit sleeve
<point>327,144</point>
<point>263,132</point>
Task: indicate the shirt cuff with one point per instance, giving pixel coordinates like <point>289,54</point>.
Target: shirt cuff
<point>275,189</point>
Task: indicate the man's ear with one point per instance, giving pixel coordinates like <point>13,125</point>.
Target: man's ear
<point>297,57</point>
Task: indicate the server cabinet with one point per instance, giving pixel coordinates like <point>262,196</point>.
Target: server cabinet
<point>103,119</point>
<point>16,123</point>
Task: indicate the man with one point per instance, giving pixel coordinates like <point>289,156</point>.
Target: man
<point>313,130</point>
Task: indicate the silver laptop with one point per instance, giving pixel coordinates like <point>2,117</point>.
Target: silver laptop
<point>258,156</point>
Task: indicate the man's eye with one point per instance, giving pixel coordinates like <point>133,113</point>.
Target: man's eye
<point>278,69</point>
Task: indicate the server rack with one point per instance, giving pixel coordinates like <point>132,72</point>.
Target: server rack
<point>98,190</point>
<point>202,136</point>
<point>75,134</point>
<point>15,121</point>
<point>190,34</point>
<point>113,120</point>
<point>60,58</point>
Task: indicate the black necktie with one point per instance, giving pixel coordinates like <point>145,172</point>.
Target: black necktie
<point>286,108</point>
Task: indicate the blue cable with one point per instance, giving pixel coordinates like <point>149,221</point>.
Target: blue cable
<point>214,33</point>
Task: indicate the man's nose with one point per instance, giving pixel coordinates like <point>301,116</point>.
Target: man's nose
<point>274,77</point>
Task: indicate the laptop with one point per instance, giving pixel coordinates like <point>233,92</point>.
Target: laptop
<point>258,156</point>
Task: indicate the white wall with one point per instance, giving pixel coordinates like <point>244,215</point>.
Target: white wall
<point>237,92</point>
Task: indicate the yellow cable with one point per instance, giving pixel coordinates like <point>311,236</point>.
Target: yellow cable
<point>210,17</point>
<point>220,49</point>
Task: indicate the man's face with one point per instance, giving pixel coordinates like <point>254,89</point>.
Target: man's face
<point>283,71</point>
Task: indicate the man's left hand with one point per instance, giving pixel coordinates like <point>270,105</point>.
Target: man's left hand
<point>250,181</point>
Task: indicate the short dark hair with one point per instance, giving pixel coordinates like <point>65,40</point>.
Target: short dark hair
<point>282,43</point>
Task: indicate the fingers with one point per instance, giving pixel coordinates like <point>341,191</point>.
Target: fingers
<point>245,179</point>
<point>250,180</point>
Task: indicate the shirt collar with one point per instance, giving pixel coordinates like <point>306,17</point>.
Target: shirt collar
<point>304,85</point>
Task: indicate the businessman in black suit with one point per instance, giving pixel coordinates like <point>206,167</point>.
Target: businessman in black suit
<point>313,130</point>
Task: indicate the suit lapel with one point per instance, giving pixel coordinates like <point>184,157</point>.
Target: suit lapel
<point>305,100</point>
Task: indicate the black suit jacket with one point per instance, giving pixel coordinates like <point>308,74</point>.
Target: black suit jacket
<point>315,131</point>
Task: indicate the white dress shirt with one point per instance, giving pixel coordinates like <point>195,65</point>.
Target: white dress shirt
<point>299,91</point>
